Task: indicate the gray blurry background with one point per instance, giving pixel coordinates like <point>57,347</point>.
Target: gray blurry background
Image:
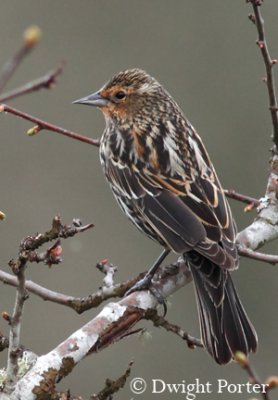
<point>205,55</point>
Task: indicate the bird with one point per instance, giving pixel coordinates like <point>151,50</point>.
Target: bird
<point>164,181</point>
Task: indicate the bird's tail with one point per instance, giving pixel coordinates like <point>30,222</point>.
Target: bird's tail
<point>225,327</point>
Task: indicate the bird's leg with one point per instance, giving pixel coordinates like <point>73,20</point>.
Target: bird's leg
<point>147,280</point>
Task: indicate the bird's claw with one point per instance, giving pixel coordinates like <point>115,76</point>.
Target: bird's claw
<point>143,284</point>
<point>157,294</point>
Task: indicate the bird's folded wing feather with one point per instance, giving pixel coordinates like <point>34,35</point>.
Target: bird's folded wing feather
<point>186,214</point>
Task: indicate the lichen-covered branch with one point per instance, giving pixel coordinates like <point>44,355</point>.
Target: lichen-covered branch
<point>15,328</point>
<point>110,325</point>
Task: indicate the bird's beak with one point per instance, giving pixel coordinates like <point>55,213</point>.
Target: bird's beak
<point>95,99</point>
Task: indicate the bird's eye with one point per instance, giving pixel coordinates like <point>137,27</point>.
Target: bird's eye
<point>120,95</point>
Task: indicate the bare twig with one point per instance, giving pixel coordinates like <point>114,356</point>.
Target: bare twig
<point>52,255</point>
<point>40,124</point>
<point>49,257</point>
<point>265,227</point>
<point>269,63</point>
<point>15,327</point>
<point>4,342</point>
<point>113,386</point>
<point>254,379</point>
<point>232,194</point>
<point>161,321</point>
<point>30,38</point>
<point>78,304</point>
<point>47,81</point>
<point>58,230</point>
<point>108,270</point>
<point>82,304</point>
<point>255,255</point>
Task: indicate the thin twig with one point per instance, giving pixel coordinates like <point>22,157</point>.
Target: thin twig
<point>40,124</point>
<point>47,81</point>
<point>108,270</point>
<point>232,194</point>
<point>269,63</point>
<point>82,304</point>
<point>15,328</point>
<point>255,255</point>
<point>265,227</point>
<point>254,379</point>
<point>161,321</point>
<point>10,66</point>
<point>113,386</point>
<point>4,342</point>
<point>30,38</point>
<point>78,304</point>
<point>52,255</point>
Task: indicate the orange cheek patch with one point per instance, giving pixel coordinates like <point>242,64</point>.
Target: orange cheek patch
<point>114,110</point>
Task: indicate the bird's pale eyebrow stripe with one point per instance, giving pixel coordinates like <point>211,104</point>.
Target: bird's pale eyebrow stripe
<point>144,88</point>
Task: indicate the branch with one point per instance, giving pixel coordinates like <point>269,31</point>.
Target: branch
<point>110,325</point>
<point>255,255</point>
<point>28,245</point>
<point>112,386</point>
<point>40,125</point>
<point>82,304</point>
<point>4,342</point>
<point>244,362</point>
<point>15,328</point>
<point>158,321</point>
<point>232,194</point>
<point>265,227</point>
<point>47,81</point>
<point>106,292</point>
<point>78,304</point>
<point>30,39</point>
<point>27,254</point>
<point>269,63</point>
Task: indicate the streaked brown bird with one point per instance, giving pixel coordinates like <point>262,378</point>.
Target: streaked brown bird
<point>164,181</point>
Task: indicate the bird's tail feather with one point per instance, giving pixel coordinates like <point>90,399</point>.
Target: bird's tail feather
<point>225,327</point>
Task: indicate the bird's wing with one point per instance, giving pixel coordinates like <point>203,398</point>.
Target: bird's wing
<point>165,213</point>
<point>184,211</point>
<point>208,207</point>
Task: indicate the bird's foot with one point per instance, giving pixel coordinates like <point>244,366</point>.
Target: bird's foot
<point>145,284</point>
<point>142,284</point>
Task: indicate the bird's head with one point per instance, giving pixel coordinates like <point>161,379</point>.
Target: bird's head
<point>126,95</point>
